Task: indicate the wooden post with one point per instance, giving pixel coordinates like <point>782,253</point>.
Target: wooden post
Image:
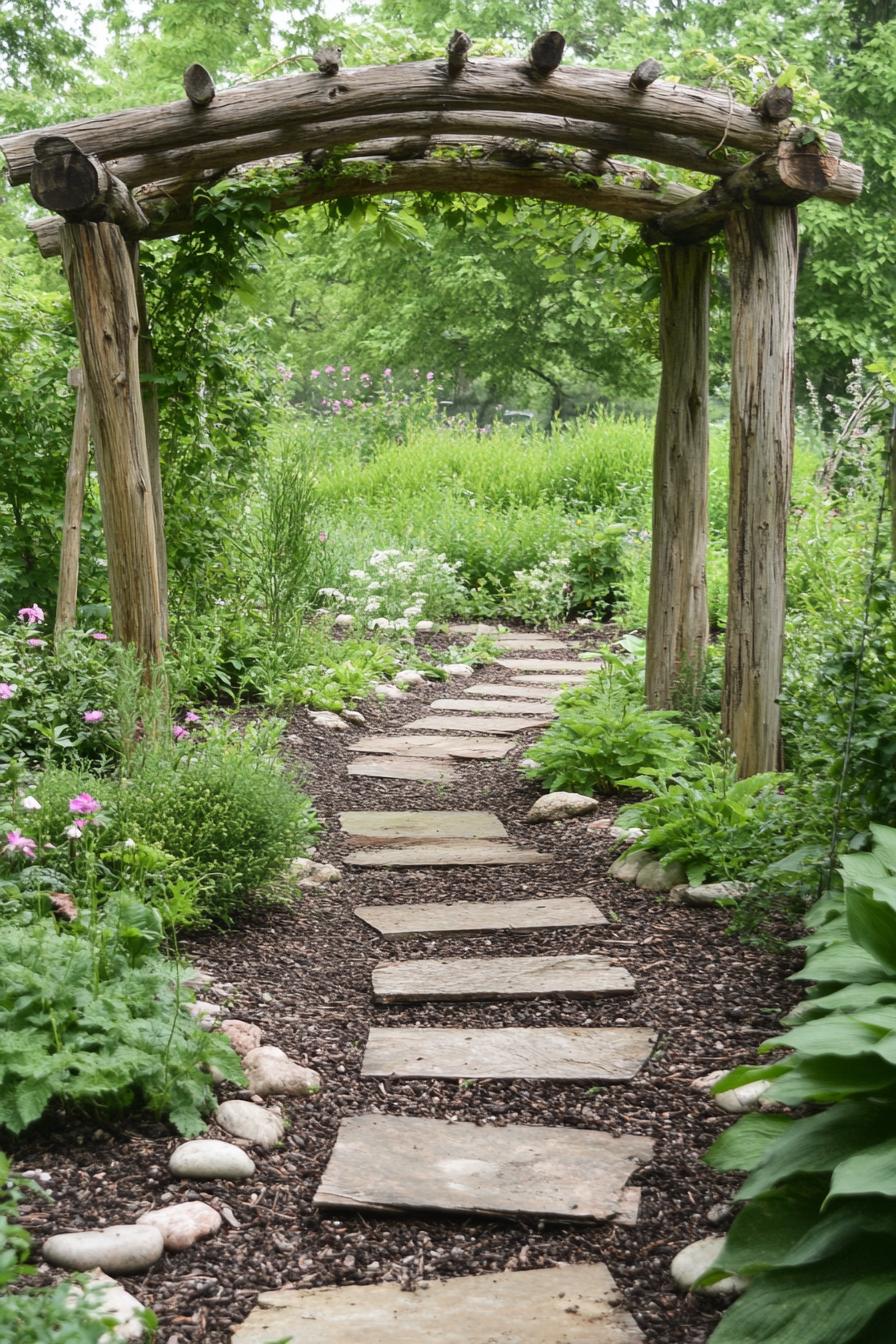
<point>101,281</point>
<point>762,248</point>
<point>149,393</point>
<point>75,478</point>
<point>677,622</point>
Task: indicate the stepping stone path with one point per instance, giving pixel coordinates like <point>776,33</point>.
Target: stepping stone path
<point>400,1163</point>
<point>570,1304</point>
<point>393,1162</point>
<point>574,977</point>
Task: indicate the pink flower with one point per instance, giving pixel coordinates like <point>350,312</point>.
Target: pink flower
<point>93,716</point>
<point>179,733</point>
<point>73,832</point>
<point>36,643</point>
<point>315,373</point>
<point>329,368</point>
<point>7,690</point>
<point>348,403</point>
<point>284,372</point>
<point>387,373</point>
<point>322,536</point>
<point>17,842</point>
<point>429,377</point>
<point>98,634</point>
<point>346,370</point>
<point>191,717</point>
<point>365,377</point>
<point>84,802</point>
<point>33,615</point>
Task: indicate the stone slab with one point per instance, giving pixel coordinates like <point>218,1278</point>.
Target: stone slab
<point>515,692</point>
<point>478,628</point>
<point>446,854</point>
<point>435,746</point>
<point>437,919</point>
<point>535,709</point>
<point>567,1304</point>
<point>419,827</point>
<point>393,1162</point>
<point>523,643</point>
<point>582,1054</point>
<point>397,767</point>
<point>550,679</point>
<point>574,977</point>
<point>470,723</point>
<point>543,664</point>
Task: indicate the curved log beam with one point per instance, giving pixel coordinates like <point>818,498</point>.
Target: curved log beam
<point>492,84</point>
<point>170,209</point>
<point>80,188</point>
<point>792,173</point>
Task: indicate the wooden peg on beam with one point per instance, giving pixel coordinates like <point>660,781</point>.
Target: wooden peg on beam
<point>79,187</point>
<point>459,45</point>
<point>328,60</point>
<point>776,103</point>
<point>645,74</point>
<point>198,85</point>
<point>546,52</point>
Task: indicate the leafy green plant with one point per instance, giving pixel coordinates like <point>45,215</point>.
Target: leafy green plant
<point>818,1231</point>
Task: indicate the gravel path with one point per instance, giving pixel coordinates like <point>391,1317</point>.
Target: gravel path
<point>302,972</point>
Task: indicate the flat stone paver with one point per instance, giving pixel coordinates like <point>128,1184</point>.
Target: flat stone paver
<point>435,746</point>
<point>446,854</point>
<point>568,1304</point>
<point>396,767</point>
<point>573,977</point>
<point>583,1054</point>
<point>549,679</point>
<point>478,628</point>
<point>418,827</point>
<point>392,1162</point>
<point>515,692</point>
<point>534,708</point>
<point>525,642</point>
<point>545,664</point>
<point>470,723</point>
<point>436,919</point>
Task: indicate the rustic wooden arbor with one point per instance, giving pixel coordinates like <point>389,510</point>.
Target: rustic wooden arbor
<point>514,128</point>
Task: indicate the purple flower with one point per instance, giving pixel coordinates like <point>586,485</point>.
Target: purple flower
<point>329,368</point>
<point>315,373</point>
<point>284,372</point>
<point>7,690</point>
<point>322,536</point>
<point>387,373</point>
<point>346,370</point>
<point>191,717</point>
<point>178,732</point>
<point>36,643</point>
<point>429,377</point>
<point>348,402</point>
<point>365,377</point>
<point>33,615</point>
<point>17,842</point>
<point>84,802</point>
<point>93,716</point>
<point>98,634</point>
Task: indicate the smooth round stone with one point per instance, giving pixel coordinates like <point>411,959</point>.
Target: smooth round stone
<point>656,876</point>
<point>695,1260</point>
<point>457,670</point>
<point>737,1100</point>
<point>271,1073</point>
<point>211,1160</point>
<point>354,716</point>
<point>123,1248</point>
<point>245,1120</point>
<point>560,806</point>
<point>344,621</point>
<point>243,1036</point>
<point>182,1224</point>
<point>108,1298</point>
<point>386,691</point>
<point>628,866</point>
<point>409,677</point>
<point>424,627</point>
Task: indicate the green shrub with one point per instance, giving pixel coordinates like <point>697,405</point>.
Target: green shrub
<point>91,1015</point>
<point>225,808</point>
<point>603,737</point>
<point>712,823</point>
<point>817,1234</point>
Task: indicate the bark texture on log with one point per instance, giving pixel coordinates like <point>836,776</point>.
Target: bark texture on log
<point>762,247</point>
<point>149,395</point>
<point>75,481</point>
<point>80,188</point>
<point>491,84</point>
<point>101,280</point>
<point>677,621</point>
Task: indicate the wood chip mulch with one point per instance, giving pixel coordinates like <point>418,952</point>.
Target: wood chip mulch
<point>302,972</point>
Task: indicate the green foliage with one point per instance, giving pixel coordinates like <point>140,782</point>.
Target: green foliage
<point>603,738</point>
<point>92,1016</point>
<point>818,1233</point>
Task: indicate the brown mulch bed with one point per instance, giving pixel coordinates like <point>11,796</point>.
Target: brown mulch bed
<point>303,973</point>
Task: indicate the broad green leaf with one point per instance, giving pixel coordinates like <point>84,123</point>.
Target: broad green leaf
<point>884,844</point>
<point>850,999</point>
<point>872,924</point>
<point>843,963</point>
<point>870,1172</point>
<point>747,1142</point>
<point>825,1303</point>
<point>818,1143</point>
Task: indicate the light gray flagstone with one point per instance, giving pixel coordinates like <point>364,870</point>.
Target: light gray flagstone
<point>447,920</point>
<point>435,746</point>
<point>445,854</point>
<point>584,1054</point>
<point>398,767</point>
<point>470,723</point>
<point>583,976</point>
<point>416,827</point>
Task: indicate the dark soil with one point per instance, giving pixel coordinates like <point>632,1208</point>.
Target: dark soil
<point>303,973</point>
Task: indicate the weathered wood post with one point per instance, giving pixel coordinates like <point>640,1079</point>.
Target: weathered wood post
<point>149,392</point>
<point>762,247</point>
<point>101,280</point>
<point>677,621</point>
<point>75,479</point>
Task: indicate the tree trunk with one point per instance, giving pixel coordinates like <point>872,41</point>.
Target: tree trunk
<point>75,478</point>
<point>149,391</point>
<point>101,281</point>
<point>677,622</point>
<point>762,247</point>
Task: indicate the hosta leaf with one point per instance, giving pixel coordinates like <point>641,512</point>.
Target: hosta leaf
<point>829,1078</point>
<point>871,1172</point>
<point>834,1035</point>
<point>885,844</point>
<point>765,1232</point>
<point>850,999</point>
<point>818,1143</point>
<point>864,869</point>
<point>825,1303</point>
<point>843,963</point>
<point>747,1142</point>
<point>872,924</point>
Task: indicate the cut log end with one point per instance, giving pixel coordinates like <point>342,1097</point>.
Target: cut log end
<point>775,104</point>
<point>198,85</point>
<point>328,60</point>
<point>65,180</point>
<point>459,45</point>
<point>546,52</point>
<point>645,74</point>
